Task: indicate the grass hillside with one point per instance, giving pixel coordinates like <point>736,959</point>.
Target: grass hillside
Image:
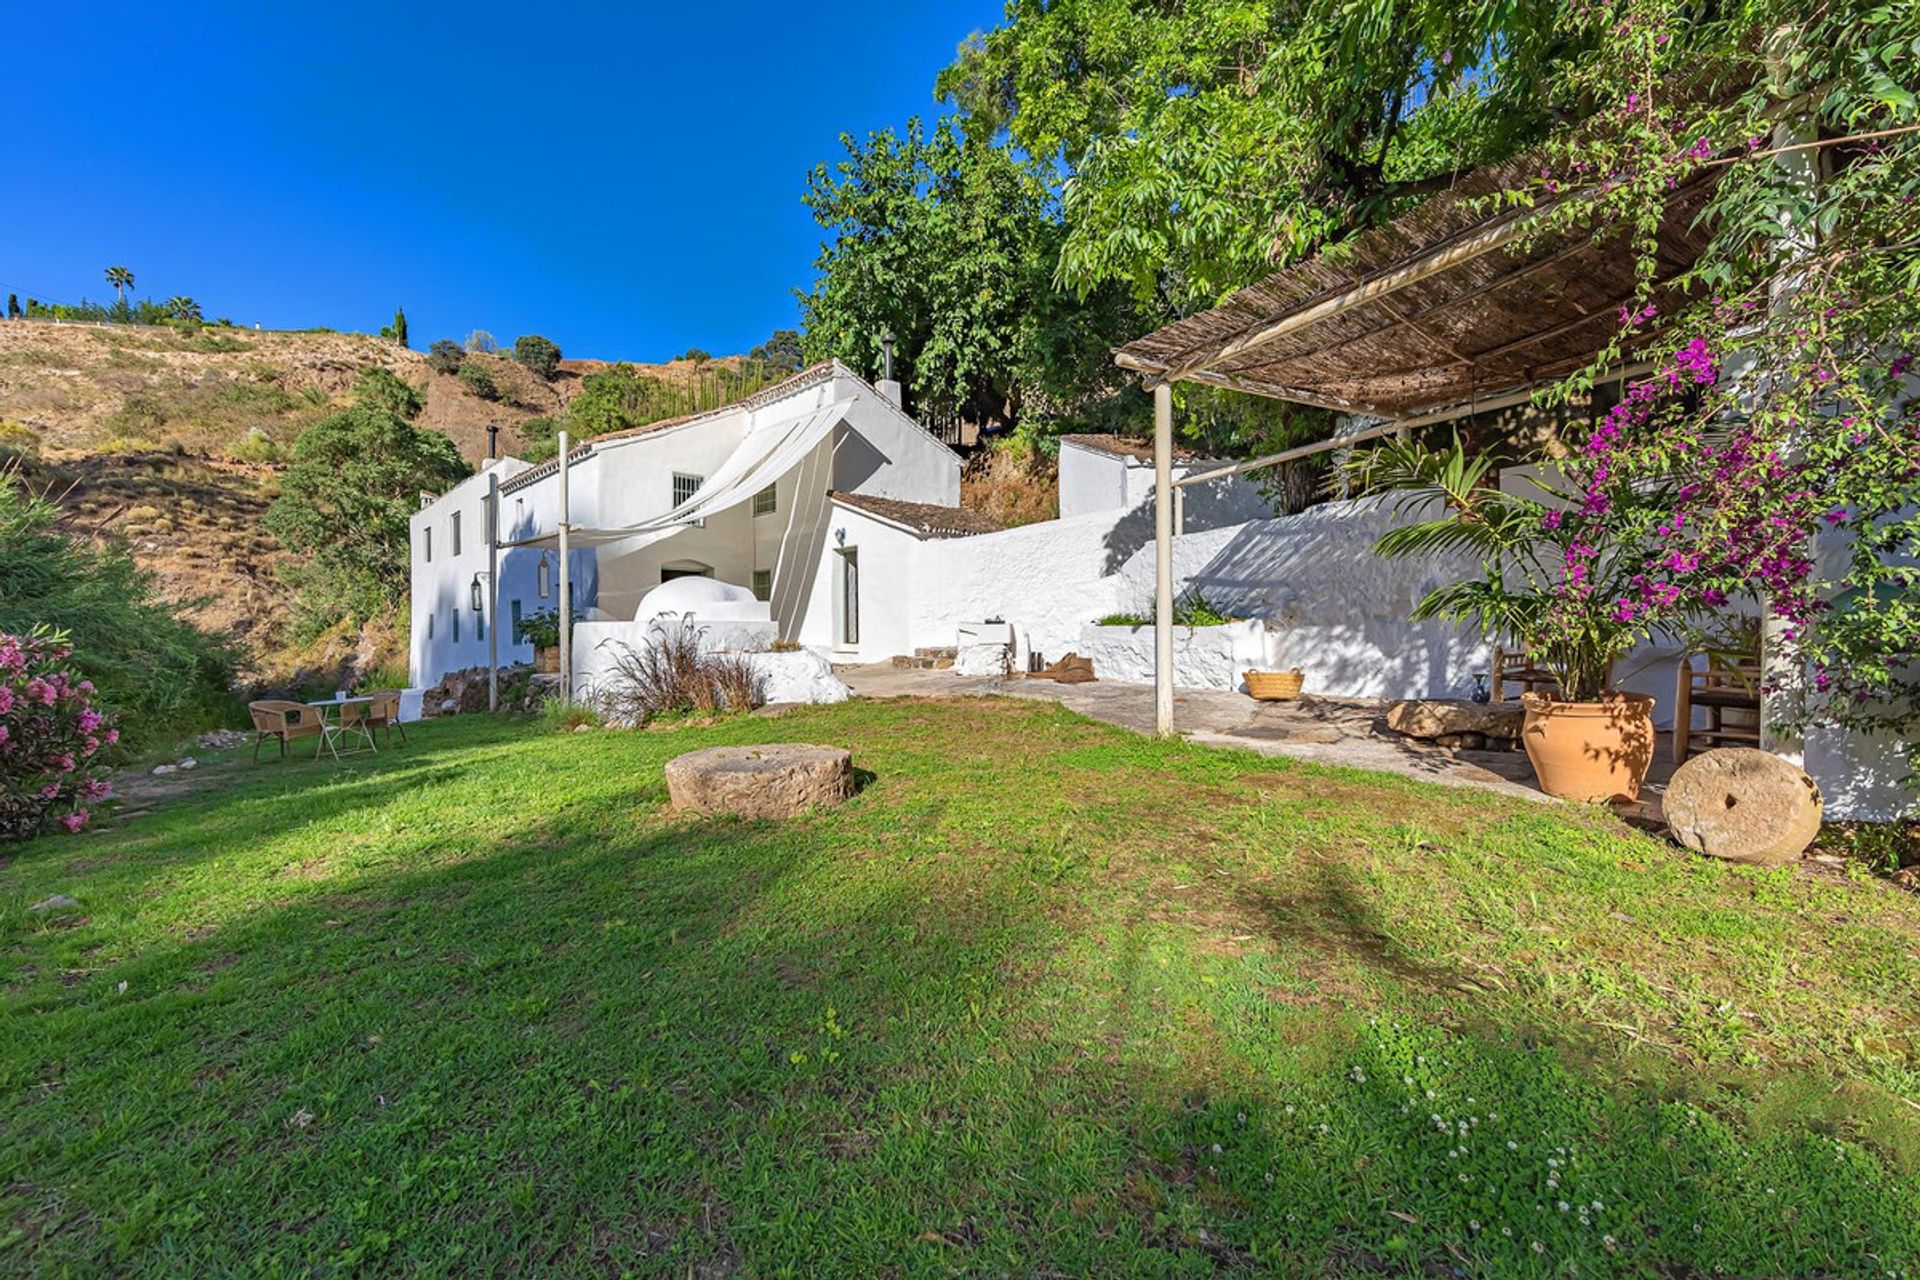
<point>173,440</point>
<point>115,389</point>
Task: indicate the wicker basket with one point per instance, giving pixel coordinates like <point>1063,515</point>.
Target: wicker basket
<point>1275,686</point>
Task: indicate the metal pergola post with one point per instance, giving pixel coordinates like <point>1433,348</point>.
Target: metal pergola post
<point>1163,560</point>
<point>493,591</point>
<point>566,581</point>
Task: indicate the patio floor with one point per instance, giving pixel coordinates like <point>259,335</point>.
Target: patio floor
<point>1343,731</point>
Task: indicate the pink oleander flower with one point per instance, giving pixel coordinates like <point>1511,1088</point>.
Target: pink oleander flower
<point>75,820</point>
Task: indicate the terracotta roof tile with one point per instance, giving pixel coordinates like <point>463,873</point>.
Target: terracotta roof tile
<point>926,518</point>
<point>1132,447</point>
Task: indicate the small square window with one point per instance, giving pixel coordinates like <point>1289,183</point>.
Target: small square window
<point>763,584</point>
<point>765,502</point>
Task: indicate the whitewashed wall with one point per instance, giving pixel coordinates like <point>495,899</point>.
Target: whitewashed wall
<point>1093,480</point>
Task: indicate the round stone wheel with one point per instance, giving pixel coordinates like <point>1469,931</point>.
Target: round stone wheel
<point>778,780</point>
<point>1743,805</point>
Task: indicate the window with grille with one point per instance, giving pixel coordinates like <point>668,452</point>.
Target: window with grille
<point>765,502</point>
<point>517,633</point>
<point>684,487</point>
<point>763,584</point>
<point>453,535</point>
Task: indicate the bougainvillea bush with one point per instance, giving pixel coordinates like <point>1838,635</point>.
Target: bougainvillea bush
<point>1781,416</point>
<point>51,736</point>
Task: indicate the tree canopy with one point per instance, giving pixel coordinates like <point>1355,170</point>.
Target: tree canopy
<point>345,501</point>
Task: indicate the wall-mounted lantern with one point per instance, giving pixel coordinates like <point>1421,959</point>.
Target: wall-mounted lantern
<point>476,595</point>
<point>545,576</point>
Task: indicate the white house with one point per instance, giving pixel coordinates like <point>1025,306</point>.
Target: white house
<point>740,493</point>
<point>837,518</point>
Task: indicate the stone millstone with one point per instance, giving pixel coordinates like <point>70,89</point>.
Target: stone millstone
<point>1441,717</point>
<point>1743,805</point>
<point>775,781</point>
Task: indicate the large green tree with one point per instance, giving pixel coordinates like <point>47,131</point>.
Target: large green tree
<point>344,503</point>
<point>950,243</point>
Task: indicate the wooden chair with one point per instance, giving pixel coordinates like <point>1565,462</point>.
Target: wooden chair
<point>283,721</point>
<point>1517,669</point>
<point>1728,682</point>
<point>384,713</point>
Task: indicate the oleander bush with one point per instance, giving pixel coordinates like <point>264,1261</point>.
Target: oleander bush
<point>51,736</point>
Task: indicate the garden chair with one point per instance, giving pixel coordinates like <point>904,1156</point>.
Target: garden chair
<point>283,721</point>
<point>1729,683</point>
<point>1519,672</point>
<point>384,713</point>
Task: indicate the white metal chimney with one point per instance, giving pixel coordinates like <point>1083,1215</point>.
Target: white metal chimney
<point>887,386</point>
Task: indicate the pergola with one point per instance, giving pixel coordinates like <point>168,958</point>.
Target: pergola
<point>1469,303</point>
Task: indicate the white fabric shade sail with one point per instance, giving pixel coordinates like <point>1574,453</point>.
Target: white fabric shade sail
<point>768,451</point>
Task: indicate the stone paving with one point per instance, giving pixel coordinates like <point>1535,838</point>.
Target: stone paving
<point>1337,731</point>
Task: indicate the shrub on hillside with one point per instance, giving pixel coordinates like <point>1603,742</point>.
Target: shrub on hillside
<point>445,356</point>
<point>384,390</point>
<point>161,674</point>
<point>17,440</point>
<point>344,506</point>
<point>539,439</point>
<point>51,736</point>
<point>478,381</point>
<point>542,355</point>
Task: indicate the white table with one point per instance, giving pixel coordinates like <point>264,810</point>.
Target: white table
<point>332,730</point>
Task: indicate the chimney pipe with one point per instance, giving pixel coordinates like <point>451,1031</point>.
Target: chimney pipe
<point>887,386</point>
<point>493,441</point>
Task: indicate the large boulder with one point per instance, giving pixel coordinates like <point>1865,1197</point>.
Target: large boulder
<point>1743,805</point>
<point>799,675</point>
<point>1442,718</point>
<point>774,781</point>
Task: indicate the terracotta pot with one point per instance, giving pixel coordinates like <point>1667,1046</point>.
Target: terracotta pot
<point>1589,751</point>
<point>546,659</point>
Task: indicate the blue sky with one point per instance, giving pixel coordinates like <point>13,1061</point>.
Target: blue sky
<point>622,178</point>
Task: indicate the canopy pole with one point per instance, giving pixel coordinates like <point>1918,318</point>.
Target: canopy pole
<point>1163,560</point>
<point>493,591</point>
<point>1783,677</point>
<point>566,582</point>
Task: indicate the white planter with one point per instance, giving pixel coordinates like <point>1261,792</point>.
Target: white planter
<point>1203,657</point>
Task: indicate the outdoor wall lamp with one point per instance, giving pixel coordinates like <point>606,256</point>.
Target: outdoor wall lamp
<point>476,595</point>
<point>545,575</point>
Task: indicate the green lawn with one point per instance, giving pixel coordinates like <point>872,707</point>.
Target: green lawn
<point>1044,999</point>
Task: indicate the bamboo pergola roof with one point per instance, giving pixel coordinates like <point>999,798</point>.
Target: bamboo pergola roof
<point>1448,306</point>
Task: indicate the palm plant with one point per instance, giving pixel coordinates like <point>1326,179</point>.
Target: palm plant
<point>181,307</point>
<point>121,278</point>
<point>1544,583</point>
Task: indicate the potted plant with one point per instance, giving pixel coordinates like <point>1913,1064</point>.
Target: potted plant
<point>1559,587</point>
<point>541,629</point>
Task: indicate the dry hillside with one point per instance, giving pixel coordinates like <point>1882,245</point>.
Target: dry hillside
<point>161,438</point>
<point>108,388</point>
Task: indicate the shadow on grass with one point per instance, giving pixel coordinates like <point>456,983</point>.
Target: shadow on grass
<point>595,1040</point>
